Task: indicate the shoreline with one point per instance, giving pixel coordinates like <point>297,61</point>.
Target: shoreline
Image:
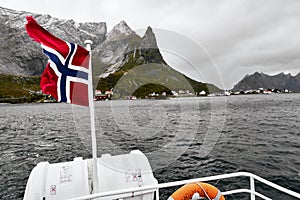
<point>41,98</point>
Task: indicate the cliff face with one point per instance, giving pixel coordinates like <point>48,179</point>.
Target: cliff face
<point>122,45</point>
<point>114,53</point>
<point>20,56</point>
<point>260,80</point>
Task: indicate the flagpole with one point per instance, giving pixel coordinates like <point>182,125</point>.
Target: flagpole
<point>92,116</point>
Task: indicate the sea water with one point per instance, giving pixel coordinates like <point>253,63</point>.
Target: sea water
<point>183,138</point>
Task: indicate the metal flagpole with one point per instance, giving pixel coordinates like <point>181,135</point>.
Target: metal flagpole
<point>92,116</point>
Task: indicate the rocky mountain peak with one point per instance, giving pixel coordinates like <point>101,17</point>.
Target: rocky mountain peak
<point>149,40</point>
<point>120,30</point>
<point>149,32</point>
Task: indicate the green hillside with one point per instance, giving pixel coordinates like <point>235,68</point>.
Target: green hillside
<point>19,89</point>
<point>151,77</point>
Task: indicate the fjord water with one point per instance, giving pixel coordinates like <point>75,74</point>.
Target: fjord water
<point>255,133</point>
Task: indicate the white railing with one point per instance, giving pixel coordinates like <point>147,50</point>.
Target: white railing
<point>251,191</point>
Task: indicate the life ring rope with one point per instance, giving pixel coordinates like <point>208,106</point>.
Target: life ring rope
<point>197,190</point>
<point>203,190</point>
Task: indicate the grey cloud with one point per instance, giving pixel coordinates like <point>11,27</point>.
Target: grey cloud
<point>266,38</point>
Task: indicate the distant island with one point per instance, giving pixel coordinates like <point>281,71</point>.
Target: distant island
<point>261,82</point>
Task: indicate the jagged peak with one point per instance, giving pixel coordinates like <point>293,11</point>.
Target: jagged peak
<point>149,40</point>
<point>122,23</point>
<point>259,74</point>
<point>149,31</point>
<point>256,74</point>
<point>121,29</point>
<point>279,74</point>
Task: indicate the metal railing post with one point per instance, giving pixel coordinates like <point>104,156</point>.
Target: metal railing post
<point>252,188</point>
<point>157,194</point>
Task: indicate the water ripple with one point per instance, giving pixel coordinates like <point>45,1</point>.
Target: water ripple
<point>261,135</point>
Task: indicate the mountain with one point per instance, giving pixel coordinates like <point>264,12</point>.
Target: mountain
<point>128,62</point>
<point>121,46</point>
<point>20,56</point>
<point>280,81</point>
<point>115,53</point>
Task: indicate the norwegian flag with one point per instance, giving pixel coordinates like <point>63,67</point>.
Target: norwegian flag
<point>66,74</point>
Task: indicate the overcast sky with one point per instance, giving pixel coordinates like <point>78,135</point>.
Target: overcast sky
<point>217,41</point>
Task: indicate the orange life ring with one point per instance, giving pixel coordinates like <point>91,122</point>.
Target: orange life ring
<point>197,190</point>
